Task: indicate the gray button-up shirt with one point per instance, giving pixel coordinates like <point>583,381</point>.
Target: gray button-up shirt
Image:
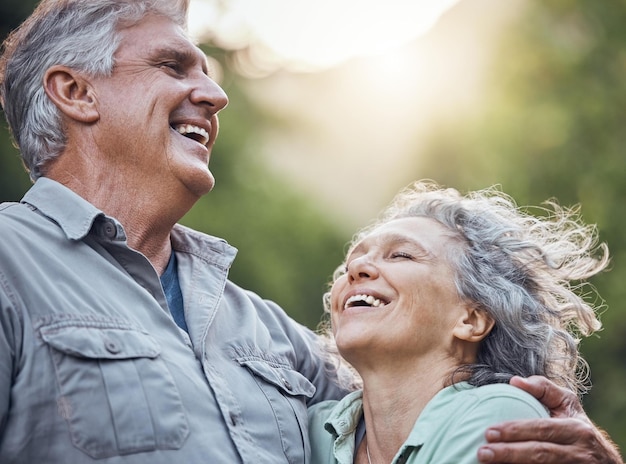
<point>93,367</point>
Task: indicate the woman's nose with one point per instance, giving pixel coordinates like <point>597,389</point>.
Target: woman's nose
<point>362,268</point>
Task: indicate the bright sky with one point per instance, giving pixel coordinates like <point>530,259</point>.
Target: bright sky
<point>386,74</point>
<point>313,35</point>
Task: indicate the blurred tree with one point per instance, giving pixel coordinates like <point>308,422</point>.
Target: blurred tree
<point>13,181</point>
<point>12,13</point>
<point>552,126</point>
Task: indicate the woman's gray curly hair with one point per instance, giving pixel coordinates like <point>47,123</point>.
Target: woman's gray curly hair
<point>80,34</point>
<point>526,271</point>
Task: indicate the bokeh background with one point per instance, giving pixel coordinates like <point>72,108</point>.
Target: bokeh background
<point>336,105</point>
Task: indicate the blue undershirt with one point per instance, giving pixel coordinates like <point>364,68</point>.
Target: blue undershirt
<point>173,294</point>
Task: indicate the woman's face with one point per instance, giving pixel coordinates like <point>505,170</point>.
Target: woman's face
<point>398,299</point>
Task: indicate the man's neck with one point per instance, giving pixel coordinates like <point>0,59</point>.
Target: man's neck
<point>146,215</point>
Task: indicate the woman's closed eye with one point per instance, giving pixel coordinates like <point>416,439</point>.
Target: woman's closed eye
<point>402,255</point>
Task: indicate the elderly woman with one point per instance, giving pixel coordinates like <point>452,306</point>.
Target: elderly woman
<point>437,306</point>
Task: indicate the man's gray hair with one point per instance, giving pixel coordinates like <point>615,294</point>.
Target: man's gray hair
<point>80,34</point>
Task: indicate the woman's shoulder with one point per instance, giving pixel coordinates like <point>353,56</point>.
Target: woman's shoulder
<point>452,426</point>
<point>500,399</point>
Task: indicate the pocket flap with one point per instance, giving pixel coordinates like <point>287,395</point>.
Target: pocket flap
<point>101,342</point>
<point>286,379</point>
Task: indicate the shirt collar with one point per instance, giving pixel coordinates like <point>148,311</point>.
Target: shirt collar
<point>76,217</point>
<point>71,212</point>
<point>207,247</point>
<point>346,415</point>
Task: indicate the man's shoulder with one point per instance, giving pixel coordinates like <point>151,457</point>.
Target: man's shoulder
<point>13,215</point>
<point>6,206</point>
<point>21,229</point>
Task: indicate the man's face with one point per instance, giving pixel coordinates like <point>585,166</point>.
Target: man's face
<point>158,110</point>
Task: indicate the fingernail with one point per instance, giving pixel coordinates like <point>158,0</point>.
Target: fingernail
<point>485,455</point>
<point>493,435</point>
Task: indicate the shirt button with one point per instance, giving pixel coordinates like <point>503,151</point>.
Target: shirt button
<point>112,347</point>
<point>110,231</point>
<point>286,383</point>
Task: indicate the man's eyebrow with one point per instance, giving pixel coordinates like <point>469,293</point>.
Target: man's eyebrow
<point>168,51</point>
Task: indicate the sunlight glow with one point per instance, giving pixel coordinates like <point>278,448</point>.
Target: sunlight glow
<point>307,35</point>
<point>361,84</point>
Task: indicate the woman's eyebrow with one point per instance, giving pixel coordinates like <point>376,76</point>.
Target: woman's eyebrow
<point>393,240</point>
<point>401,239</point>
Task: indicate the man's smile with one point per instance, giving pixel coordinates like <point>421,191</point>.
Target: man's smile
<point>196,133</point>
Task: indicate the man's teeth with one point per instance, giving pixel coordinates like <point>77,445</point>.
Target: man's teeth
<point>368,299</point>
<point>186,129</point>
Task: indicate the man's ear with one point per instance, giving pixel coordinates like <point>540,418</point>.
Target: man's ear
<point>474,325</point>
<point>72,93</point>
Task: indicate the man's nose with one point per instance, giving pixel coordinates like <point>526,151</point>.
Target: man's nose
<point>207,91</point>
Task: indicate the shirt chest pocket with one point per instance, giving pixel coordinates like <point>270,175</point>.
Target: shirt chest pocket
<point>286,391</point>
<point>115,392</point>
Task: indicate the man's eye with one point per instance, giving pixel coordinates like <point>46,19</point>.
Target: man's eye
<point>172,66</point>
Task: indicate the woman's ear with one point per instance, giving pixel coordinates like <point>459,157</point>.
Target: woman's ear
<point>474,325</point>
<point>72,94</point>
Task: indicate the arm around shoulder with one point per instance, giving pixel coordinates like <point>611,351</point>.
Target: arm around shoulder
<point>459,437</point>
<point>567,436</point>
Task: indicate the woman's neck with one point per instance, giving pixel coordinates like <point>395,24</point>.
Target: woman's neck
<point>392,402</point>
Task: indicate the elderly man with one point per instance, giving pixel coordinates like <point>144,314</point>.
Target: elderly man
<point>121,338</point>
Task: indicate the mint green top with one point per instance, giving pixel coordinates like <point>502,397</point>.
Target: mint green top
<point>449,430</point>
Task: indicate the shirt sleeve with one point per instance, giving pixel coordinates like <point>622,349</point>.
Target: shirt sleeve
<point>8,332</point>
<point>310,360</point>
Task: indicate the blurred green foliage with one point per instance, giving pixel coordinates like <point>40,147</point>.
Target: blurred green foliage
<point>552,125</point>
<point>13,180</point>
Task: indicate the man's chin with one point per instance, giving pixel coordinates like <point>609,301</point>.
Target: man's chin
<point>201,185</point>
